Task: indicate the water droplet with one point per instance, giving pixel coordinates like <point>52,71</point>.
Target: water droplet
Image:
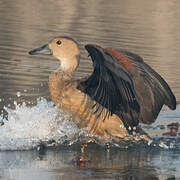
<point>15,103</point>
<point>150,142</point>
<point>18,94</point>
<point>163,145</point>
<point>121,126</point>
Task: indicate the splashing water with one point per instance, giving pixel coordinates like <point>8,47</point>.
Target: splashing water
<point>42,124</point>
<point>29,127</point>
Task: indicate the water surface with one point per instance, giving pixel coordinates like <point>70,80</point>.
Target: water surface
<point>148,28</point>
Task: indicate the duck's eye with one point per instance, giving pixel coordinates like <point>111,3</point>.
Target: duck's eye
<point>58,42</point>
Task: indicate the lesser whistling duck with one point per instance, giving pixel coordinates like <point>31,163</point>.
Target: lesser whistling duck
<point>121,92</point>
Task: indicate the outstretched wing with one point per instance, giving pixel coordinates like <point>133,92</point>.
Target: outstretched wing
<point>111,86</point>
<point>151,89</point>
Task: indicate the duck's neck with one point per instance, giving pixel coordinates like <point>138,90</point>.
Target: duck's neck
<point>61,79</point>
<point>69,65</point>
<point>58,80</point>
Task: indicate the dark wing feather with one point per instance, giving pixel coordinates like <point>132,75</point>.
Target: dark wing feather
<point>110,85</point>
<point>152,90</point>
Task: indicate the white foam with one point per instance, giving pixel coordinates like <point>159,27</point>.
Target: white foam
<point>27,126</point>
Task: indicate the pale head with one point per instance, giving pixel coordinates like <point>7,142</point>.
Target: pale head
<point>63,48</point>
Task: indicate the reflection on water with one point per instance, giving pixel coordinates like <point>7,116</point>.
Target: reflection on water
<point>113,164</point>
<point>148,28</point>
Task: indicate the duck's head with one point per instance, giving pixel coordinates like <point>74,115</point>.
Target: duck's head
<point>63,48</point>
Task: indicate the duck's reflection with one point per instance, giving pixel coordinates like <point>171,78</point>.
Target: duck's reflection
<point>103,164</point>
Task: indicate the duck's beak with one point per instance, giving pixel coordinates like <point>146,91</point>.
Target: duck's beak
<point>41,50</point>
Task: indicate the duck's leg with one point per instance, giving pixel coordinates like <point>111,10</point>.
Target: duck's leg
<point>82,160</point>
<point>83,146</point>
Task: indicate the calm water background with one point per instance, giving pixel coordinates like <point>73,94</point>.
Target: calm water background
<point>148,28</point>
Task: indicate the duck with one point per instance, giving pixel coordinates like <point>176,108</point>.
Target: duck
<point>122,91</point>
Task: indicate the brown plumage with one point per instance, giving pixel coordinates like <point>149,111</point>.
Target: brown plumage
<point>122,90</point>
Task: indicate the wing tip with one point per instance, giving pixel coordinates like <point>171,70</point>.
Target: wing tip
<point>173,103</point>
